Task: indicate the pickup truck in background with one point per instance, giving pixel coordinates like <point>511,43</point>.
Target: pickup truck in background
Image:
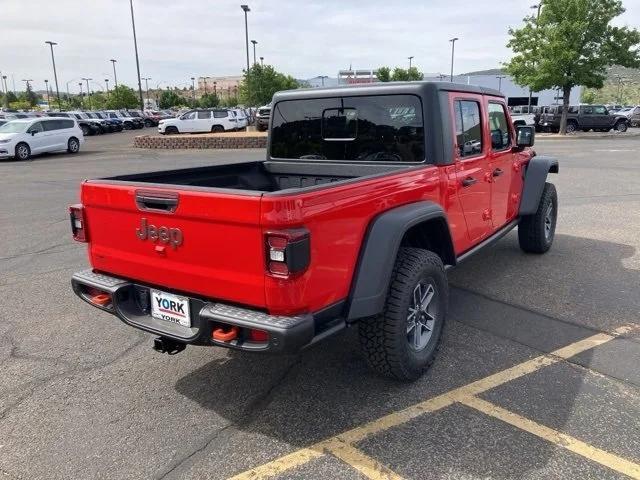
<point>585,118</point>
<point>367,196</point>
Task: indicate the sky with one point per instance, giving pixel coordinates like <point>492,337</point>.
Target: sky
<point>178,39</point>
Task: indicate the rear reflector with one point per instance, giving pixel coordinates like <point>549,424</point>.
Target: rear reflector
<point>258,335</point>
<point>78,223</point>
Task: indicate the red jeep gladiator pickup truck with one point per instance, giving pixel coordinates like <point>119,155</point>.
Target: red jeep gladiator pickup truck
<point>368,194</point>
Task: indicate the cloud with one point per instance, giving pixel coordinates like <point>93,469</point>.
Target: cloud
<point>178,40</point>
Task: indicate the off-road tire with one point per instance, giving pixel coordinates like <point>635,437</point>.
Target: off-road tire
<point>23,152</point>
<point>73,145</point>
<point>384,338</point>
<point>533,235</point>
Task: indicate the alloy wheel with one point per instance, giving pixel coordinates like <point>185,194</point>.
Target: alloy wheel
<point>421,316</point>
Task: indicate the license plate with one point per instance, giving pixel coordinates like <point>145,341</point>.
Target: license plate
<point>170,308</point>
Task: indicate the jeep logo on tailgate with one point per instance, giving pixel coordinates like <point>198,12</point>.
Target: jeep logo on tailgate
<point>162,234</point>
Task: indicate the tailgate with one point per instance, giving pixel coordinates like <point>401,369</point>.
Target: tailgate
<point>200,242</point>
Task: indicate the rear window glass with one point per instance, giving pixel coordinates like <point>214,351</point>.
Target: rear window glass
<point>382,128</point>
<point>219,114</point>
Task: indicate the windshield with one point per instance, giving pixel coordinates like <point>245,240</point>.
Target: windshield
<point>14,127</point>
<point>383,128</point>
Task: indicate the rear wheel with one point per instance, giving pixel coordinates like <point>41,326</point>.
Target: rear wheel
<point>171,130</point>
<point>148,123</point>
<point>403,340</point>
<point>217,129</point>
<point>621,127</point>
<point>23,152</point>
<point>73,145</point>
<point>572,127</point>
<point>536,232</point>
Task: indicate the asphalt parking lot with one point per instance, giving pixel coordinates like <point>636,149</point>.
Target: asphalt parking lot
<point>538,376</point>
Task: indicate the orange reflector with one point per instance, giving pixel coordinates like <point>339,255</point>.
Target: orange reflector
<point>223,335</point>
<point>101,299</point>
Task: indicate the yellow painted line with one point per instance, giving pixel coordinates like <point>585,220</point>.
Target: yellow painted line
<point>357,434</point>
<point>560,439</point>
<point>282,464</point>
<point>363,463</point>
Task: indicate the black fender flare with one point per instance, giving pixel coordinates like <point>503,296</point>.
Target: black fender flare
<point>535,176</point>
<point>380,249</point>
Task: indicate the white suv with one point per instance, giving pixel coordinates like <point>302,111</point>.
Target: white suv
<point>23,138</point>
<point>199,121</point>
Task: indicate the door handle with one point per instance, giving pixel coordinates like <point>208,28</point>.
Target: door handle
<point>467,182</point>
<point>497,172</point>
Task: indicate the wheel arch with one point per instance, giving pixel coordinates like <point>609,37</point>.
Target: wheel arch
<point>420,224</point>
<point>535,176</point>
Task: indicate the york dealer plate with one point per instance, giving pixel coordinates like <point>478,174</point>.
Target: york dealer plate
<point>170,308</point>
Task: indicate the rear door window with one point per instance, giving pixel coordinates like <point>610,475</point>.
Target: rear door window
<point>220,114</point>
<point>468,127</point>
<point>204,114</point>
<point>373,128</point>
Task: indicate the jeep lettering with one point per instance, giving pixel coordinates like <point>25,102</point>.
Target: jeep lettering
<point>165,235</point>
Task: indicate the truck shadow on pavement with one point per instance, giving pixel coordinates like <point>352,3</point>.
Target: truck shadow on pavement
<point>505,308</point>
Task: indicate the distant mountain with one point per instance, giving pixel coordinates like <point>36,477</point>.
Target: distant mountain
<point>493,71</point>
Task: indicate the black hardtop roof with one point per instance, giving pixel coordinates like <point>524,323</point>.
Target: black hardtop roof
<point>384,88</point>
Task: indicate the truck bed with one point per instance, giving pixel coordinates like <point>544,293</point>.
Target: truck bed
<point>262,176</point>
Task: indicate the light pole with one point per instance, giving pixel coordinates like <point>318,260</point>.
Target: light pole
<point>146,84</point>
<point>135,46</point>
<point>46,86</point>
<point>410,58</point>
<point>106,82</point>
<point>246,9</point>
<point>322,77</point>
<point>254,50</point>
<point>500,77</point>
<point>262,61</point>
<point>538,7</point>
<point>115,77</point>
<point>215,89</point>
<point>81,95</point>
<point>55,74</point>
<point>88,91</point>
<point>204,79</point>
<point>193,89</point>
<point>453,49</point>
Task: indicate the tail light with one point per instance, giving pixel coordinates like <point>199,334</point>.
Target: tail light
<point>288,251</point>
<point>78,223</point>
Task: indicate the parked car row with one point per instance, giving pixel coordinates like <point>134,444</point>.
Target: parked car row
<point>582,117</point>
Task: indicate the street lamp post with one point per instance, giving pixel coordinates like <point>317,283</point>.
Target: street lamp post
<point>410,58</point>
<point>106,82</point>
<point>254,50</point>
<point>246,9</point>
<point>6,90</point>
<point>135,46</point>
<point>146,85</point>
<point>81,95</point>
<point>262,61</point>
<point>193,88</point>
<point>55,74</point>
<point>453,49</point>
<point>500,77</point>
<point>215,89</point>
<point>538,7</point>
<point>204,79</point>
<point>115,77</point>
<point>88,91</point>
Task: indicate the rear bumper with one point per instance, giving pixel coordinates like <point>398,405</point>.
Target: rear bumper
<point>130,303</point>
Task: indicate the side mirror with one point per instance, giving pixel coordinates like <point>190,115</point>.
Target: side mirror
<point>525,136</point>
<point>32,132</point>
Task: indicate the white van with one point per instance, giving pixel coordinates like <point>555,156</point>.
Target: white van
<point>199,121</point>
<point>23,138</point>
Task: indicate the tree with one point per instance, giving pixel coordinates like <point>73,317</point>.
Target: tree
<point>399,74</point>
<point>169,99</point>
<point>98,100</point>
<point>122,97</point>
<point>571,44</point>
<point>29,96</point>
<point>588,96</point>
<point>261,82</point>
<point>209,100</point>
